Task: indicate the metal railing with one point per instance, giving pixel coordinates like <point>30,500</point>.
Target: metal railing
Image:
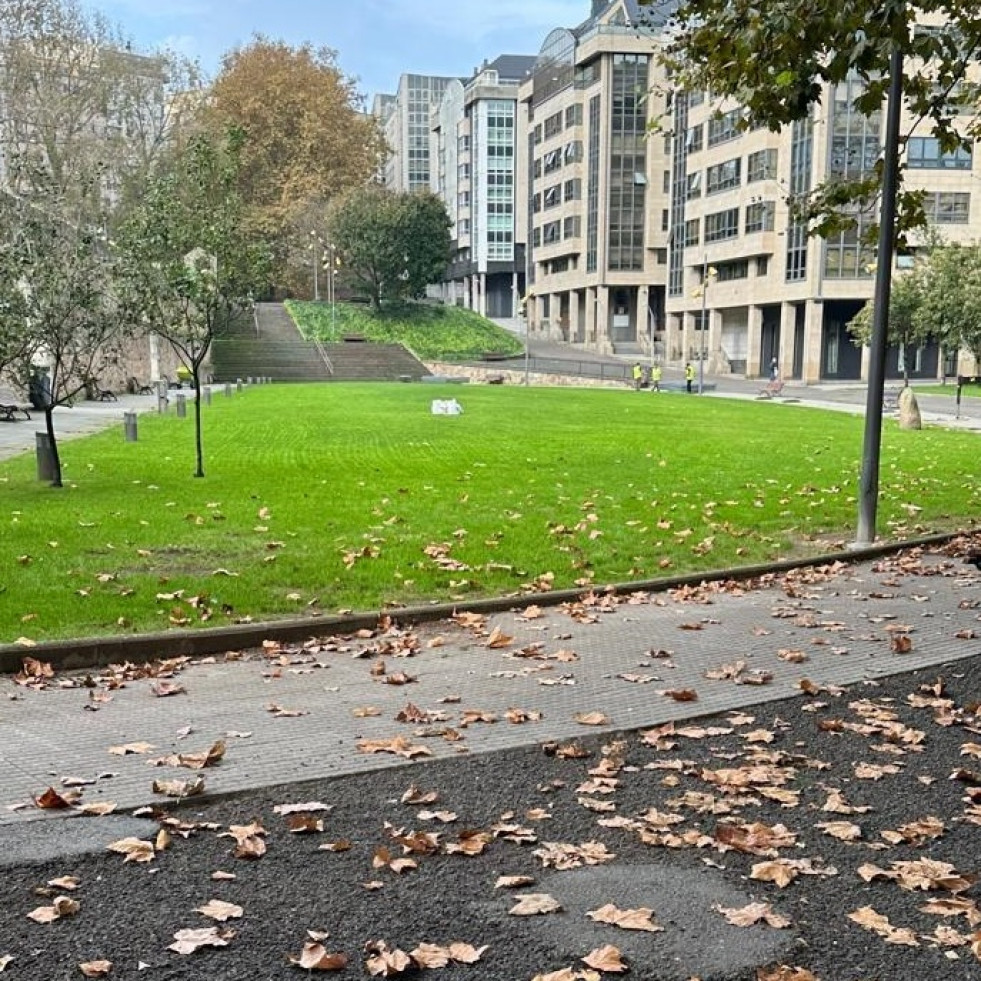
<point>323,355</point>
<point>603,371</point>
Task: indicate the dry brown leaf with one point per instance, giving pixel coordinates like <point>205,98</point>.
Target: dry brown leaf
<point>316,957</point>
<point>868,918</point>
<point>385,963</point>
<point>67,882</point>
<point>681,694</point>
<point>784,973</point>
<point>95,969</point>
<point>513,881</point>
<point>135,849</point>
<point>51,799</point>
<point>127,748</point>
<point>4,961</point>
<point>591,719</point>
<point>607,959</point>
<point>626,919</point>
<point>464,953</point>
<point>842,830</point>
<point>498,639</point>
<point>779,872</point>
<point>188,941</point>
<point>532,903</point>
<point>399,746</point>
<point>216,909</point>
<point>751,914</point>
<point>383,858</point>
<point>179,788</point>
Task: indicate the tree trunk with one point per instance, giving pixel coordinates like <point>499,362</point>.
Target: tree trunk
<point>198,447</point>
<point>49,425</point>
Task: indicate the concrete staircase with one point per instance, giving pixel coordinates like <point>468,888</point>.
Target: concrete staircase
<point>272,347</point>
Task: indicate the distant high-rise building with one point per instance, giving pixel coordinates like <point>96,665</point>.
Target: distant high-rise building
<point>405,122</point>
<point>476,159</point>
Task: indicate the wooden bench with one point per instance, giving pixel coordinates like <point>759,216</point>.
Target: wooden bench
<point>772,389</point>
<point>8,413</point>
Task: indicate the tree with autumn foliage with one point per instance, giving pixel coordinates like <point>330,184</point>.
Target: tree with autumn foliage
<point>307,138</point>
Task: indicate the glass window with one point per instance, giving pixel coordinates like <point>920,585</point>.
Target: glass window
<point>693,186</point>
<point>948,207</point>
<point>725,127</point>
<point>723,176</point>
<point>691,232</point>
<point>923,152</point>
<point>694,138</point>
<point>760,216</point>
<point>761,166</point>
<point>722,225</point>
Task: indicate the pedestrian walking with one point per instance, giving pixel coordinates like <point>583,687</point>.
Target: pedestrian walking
<point>656,378</point>
<point>774,369</point>
<point>637,373</point>
<point>689,375</point>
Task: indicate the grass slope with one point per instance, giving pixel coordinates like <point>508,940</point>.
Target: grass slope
<point>432,333</point>
<point>356,496</point>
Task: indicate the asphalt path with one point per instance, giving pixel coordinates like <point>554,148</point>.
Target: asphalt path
<point>830,835</point>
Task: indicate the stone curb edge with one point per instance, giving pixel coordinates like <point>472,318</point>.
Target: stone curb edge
<point>90,652</point>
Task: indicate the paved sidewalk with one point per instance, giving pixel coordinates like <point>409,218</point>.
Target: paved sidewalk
<point>297,713</point>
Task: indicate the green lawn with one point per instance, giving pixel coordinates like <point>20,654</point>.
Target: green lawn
<point>967,391</point>
<point>353,496</point>
<point>431,332</point>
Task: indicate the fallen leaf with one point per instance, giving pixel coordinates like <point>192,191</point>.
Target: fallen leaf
<point>607,959</point>
<point>216,909</point>
<point>383,962</point>
<point>626,919</point>
<point>188,941</point>
<point>751,914</point>
<point>135,849</point>
<point>533,903</point>
<point>591,719</point>
<point>95,969</point>
<point>315,957</point>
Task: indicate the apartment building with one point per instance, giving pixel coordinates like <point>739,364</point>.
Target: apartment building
<point>404,117</point>
<point>746,284</point>
<point>598,183</point>
<point>476,159</point>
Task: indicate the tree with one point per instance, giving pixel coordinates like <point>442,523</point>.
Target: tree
<point>60,303</point>
<point>306,136</point>
<point>906,325</point>
<point>951,301</point>
<point>773,58</point>
<point>84,114</point>
<point>190,269</point>
<point>390,245</point>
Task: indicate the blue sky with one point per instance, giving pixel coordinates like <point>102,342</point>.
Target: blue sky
<point>376,40</point>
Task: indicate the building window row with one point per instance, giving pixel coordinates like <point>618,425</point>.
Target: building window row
<point>948,207</point>
<point>923,152</point>
<point>724,127</point>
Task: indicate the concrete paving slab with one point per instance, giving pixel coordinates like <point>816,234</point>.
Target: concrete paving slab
<point>618,658</point>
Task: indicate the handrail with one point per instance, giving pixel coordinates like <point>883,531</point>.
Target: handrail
<point>323,354</point>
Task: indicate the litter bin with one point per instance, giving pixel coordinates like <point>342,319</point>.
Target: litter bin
<point>45,457</point>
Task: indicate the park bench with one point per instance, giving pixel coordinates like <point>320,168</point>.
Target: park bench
<point>772,389</point>
<point>134,387</point>
<point>8,412</point>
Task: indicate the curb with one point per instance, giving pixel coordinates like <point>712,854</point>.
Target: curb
<point>94,652</point>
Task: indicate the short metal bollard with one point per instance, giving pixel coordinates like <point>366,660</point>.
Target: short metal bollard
<point>46,469</point>
<point>162,402</point>
<point>228,388</point>
<point>129,426</point>
<point>181,406</point>
<point>238,384</point>
<point>249,380</point>
<point>207,395</point>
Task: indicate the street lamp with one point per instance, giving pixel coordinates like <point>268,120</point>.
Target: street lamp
<point>707,271</point>
<point>315,248</point>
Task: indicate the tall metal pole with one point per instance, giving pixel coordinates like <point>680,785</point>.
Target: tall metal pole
<point>868,495</point>
<point>703,325</point>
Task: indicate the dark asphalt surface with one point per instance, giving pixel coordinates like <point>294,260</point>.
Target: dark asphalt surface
<point>901,752</point>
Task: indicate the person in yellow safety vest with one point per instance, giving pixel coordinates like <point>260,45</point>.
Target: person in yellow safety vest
<point>689,375</point>
<point>656,378</point>
<point>637,373</point>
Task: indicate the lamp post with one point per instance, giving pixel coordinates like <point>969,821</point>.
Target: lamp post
<point>707,271</point>
<point>316,250</point>
<point>331,287</point>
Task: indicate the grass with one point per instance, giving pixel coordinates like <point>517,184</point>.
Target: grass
<point>432,333</point>
<point>967,391</point>
<point>354,496</point>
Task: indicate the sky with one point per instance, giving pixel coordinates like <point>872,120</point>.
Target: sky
<point>376,40</point>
